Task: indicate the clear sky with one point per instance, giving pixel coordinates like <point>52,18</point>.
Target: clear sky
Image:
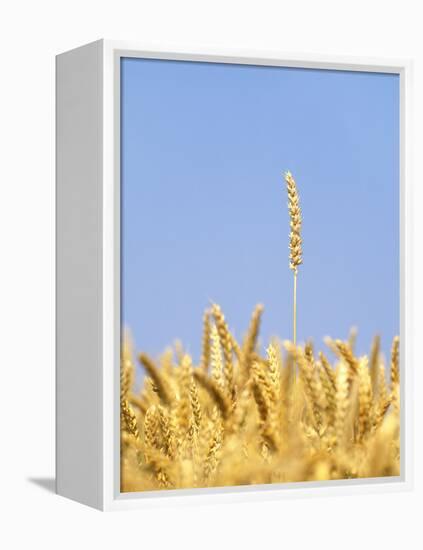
<point>204,206</point>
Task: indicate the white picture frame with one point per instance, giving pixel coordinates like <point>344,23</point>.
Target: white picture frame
<point>88,276</point>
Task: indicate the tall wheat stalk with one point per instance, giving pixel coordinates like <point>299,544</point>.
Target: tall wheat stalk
<point>295,241</point>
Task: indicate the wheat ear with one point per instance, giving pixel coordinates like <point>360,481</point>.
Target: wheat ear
<point>205,354</point>
<point>129,418</point>
<point>395,361</point>
<point>226,345</point>
<point>251,338</point>
<point>395,373</point>
<point>160,386</point>
<point>218,396</point>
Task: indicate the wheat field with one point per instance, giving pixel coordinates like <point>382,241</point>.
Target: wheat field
<point>240,417</point>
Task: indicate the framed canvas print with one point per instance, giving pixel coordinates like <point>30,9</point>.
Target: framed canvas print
<point>233,276</point>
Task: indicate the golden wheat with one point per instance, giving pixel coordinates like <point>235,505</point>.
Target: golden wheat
<point>243,420</point>
<point>295,240</point>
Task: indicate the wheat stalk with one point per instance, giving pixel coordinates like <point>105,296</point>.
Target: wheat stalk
<point>295,240</point>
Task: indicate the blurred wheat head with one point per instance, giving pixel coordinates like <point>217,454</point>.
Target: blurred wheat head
<point>238,417</point>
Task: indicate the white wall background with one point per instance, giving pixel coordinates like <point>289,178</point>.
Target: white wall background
<point>31,33</point>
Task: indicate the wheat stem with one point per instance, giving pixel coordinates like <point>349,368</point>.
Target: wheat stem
<point>295,310</point>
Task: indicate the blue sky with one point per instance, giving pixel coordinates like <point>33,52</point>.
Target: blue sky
<point>204,213</point>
